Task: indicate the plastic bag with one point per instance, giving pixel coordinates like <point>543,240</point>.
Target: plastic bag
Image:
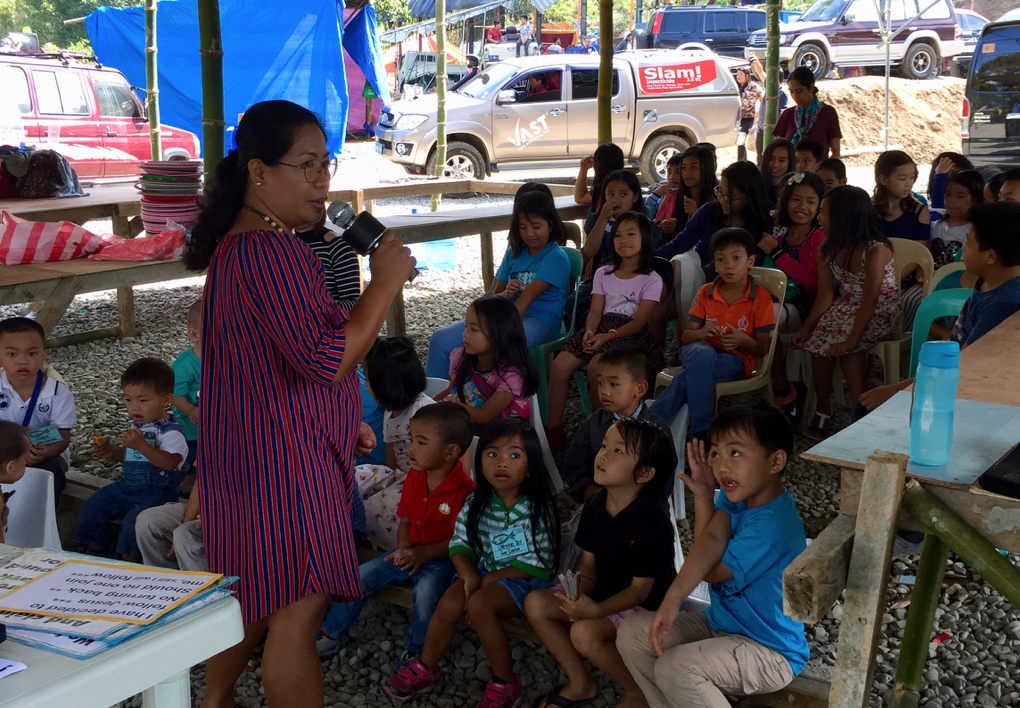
<point>164,246</point>
<point>23,241</point>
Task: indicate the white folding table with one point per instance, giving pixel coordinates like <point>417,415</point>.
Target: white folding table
<point>156,664</point>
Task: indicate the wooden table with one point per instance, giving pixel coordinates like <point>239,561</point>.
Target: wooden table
<point>454,223</point>
<point>156,664</point>
<point>880,492</point>
<point>121,204</point>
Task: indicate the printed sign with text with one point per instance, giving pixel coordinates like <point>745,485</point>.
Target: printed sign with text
<point>676,77</point>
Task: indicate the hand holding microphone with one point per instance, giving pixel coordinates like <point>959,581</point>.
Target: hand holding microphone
<point>363,232</point>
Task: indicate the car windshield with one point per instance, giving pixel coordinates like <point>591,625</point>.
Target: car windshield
<point>823,11</point>
<point>482,85</point>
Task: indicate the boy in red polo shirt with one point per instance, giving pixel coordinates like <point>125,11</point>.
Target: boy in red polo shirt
<point>433,494</point>
<point>729,326</point>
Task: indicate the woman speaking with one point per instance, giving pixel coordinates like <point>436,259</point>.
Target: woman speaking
<point>280,399</point>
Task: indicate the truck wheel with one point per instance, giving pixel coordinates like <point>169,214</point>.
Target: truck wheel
<point>812,57</point>
<point>414,170</point>
<point>462,162</point>
<point>920,62</point>
<point>657,153</point>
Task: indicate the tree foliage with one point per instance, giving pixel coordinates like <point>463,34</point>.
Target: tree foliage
<point>566,11</point>
<point>46,19</point>
<point>392,12</point>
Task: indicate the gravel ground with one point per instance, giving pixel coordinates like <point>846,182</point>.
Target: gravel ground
<point>977,665</point>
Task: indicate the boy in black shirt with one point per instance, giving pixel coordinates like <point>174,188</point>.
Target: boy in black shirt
<point>623,383</point>
<point>627,565</point>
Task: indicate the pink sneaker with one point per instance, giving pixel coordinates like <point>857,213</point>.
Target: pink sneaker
<point>411,680</point>
<point>502,695</point>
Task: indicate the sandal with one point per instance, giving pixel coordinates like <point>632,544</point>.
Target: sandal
<point>553,698</point>
<point>817,432</point>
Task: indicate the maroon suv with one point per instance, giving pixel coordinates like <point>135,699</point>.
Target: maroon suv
<point>87,112</point>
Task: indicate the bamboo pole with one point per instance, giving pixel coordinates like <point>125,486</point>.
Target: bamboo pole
<point>924,600</point>
<point>152,81</point>
<point>605,94</point>
<point>440,96</point>
<point>211,51</point>
<point>771,69</point>
<point>963,540</point>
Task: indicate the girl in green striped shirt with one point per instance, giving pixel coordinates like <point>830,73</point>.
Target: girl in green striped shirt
<point>504,546</point>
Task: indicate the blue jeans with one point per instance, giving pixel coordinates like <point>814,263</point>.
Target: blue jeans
<point>703,367</point>
<point>430,581</point>
<point>447,339</point>
<point>125,499</point>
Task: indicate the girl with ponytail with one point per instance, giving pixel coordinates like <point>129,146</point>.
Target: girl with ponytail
<point>281,416</point>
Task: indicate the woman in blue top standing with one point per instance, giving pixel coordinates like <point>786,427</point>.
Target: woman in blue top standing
<point>535,274</point>
<point>742,202</point>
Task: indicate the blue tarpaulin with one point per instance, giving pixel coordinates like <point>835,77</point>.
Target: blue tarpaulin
<point>274,49</point>
<point>361,40</point>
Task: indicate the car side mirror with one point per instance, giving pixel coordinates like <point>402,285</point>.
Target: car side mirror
<point>847,19</point>
<point>506,96</point>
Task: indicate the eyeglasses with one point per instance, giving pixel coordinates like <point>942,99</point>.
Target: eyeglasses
<point>313,168</point>
<point>723,196</point>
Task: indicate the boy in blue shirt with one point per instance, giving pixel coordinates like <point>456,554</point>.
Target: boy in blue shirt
<point>742,544</point>
<point>188,381</point>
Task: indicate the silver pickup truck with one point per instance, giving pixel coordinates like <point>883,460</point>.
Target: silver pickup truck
<point>543,109</point>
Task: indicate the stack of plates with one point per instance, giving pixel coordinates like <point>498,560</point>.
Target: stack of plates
<point>169,191</point>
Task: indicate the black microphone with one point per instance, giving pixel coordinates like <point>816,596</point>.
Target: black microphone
<point>361,231</point>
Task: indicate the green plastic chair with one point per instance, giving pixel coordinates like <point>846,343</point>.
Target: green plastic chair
<point>941,303</point>
<point>543,353</point>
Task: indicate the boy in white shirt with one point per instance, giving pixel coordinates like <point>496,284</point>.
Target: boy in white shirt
<point>34,400</point>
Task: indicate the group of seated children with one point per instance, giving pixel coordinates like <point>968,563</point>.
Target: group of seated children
<point>489,550</point>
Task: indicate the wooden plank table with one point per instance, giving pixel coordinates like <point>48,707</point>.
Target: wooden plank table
<point>855,555</point>
<point>455,223</point>
<point>121,204</point>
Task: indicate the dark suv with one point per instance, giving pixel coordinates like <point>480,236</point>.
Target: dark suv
<point>722,29</point>
<point>990,127</point>
<point>845,33</point>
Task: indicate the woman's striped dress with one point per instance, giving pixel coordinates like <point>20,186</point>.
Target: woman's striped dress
<point>276,438</point>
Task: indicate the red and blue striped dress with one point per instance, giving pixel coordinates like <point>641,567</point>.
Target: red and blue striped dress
<point>277,438</point>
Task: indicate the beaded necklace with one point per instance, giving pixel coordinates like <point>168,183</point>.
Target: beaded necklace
<point>265,218</point>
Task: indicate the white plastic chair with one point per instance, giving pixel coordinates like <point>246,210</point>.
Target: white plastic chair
<point>33,518</point>
<point>434,386</point>
<point>678,430</point>
<point>688,276</point>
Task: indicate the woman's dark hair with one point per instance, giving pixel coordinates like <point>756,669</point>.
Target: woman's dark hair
<point>532,187</point>
<point>801,179</point>
<point>766,156</point>
<point>266,132</point>
<point>608,158</point>
<point>708,183</point>
<point>888,162</point>
<point>961,162</point>
<point>745,177</point>
<point>652,447</point>
<point>973,182</point>
<point>394,372</point>
<point>803,76</point>
<point>505,329</point>
<point>631,180</point>
<point>14,442</point>
<point>852,222</point>
<point>535,204</point>
<point>537,486</point>
<point>647,256</point>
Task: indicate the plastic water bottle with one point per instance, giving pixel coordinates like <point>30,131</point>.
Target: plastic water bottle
<point>931,422</point>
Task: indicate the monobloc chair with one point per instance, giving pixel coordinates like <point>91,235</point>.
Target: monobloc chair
<point>941,303</point>
<point>942,273</point>
<point>33,516</point>
<point>542,354</point>
<point>435,386</point>
<point>905,254</point>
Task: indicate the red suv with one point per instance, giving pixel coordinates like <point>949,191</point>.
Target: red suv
<point>87,112</point>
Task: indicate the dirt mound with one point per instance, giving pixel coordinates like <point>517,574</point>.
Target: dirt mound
<point>924,116</point>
